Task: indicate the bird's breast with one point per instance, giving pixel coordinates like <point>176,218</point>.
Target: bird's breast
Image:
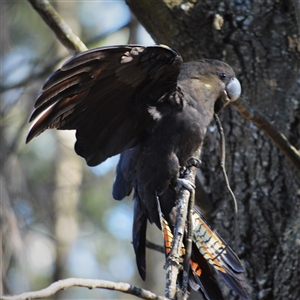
<point>190,132</point>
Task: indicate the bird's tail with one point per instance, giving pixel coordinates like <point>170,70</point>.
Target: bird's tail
<point>218,255</point>
<point>200,276</point>
<point>209,251</point>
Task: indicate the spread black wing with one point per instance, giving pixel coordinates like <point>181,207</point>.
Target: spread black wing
<point>104,94</point>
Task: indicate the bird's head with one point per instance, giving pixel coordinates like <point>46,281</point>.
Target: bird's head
<point>211,83</point>
<point>231,89</point>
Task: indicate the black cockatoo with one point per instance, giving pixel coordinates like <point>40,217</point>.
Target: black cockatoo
<point>146,104</point>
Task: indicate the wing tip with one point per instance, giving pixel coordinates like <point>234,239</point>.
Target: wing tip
<point>29,138</point>
<point>34,131</point>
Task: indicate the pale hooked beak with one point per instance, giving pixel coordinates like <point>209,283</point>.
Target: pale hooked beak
<point>231,93</point>
<point>233,89</point>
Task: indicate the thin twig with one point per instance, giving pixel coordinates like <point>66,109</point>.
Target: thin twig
<point>223,159</point>
<point>32,74</point>
<point>156,247</point>
<point>61,29</point>
<point>88,283</point>
<point>271,130</point>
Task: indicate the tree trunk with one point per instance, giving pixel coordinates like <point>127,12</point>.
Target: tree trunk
<point>68,177</point>
<point>260,40</point>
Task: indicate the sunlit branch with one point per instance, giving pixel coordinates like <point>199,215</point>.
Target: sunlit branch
<point>183,219</point>
<point>88,283</point>
<point>61,29</point>
<point>173,264</point>
<point>271,130</point>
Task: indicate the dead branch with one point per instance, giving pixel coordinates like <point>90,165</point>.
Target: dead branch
<point>183,219</point>
<point>88,283</point>
<point>189,238</point>
<point>173,264</point>
<point>271,130</point>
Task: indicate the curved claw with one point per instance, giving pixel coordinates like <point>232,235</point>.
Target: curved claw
<point>192,162</point>
<point>184,183</point>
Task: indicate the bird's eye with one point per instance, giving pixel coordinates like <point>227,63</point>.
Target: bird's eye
<point>222,76</point>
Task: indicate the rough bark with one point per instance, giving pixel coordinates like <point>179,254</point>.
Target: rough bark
<point>261,41</point>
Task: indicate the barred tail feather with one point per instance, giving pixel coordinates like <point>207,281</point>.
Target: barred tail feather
<point>218,255</point>
<point>200,279</point>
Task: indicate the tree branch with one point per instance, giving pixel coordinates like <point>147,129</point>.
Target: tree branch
<point>271,130</point>
<point>32,75</point>
<point>182,226</point>
<point>89,283</point>
<point>61,29</point>
<point>188,240</point>
<point>173,264</point>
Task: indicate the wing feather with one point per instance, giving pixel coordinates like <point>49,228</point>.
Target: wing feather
<point>139,236</point>
<point>104,94</point>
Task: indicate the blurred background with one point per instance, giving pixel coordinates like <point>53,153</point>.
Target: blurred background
<point>58,218</point>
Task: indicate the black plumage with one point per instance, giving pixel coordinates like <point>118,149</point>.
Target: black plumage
<point>144,103</point>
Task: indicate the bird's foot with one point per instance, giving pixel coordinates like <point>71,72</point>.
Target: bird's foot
<point>193,162</point>
<point>184,183</point>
